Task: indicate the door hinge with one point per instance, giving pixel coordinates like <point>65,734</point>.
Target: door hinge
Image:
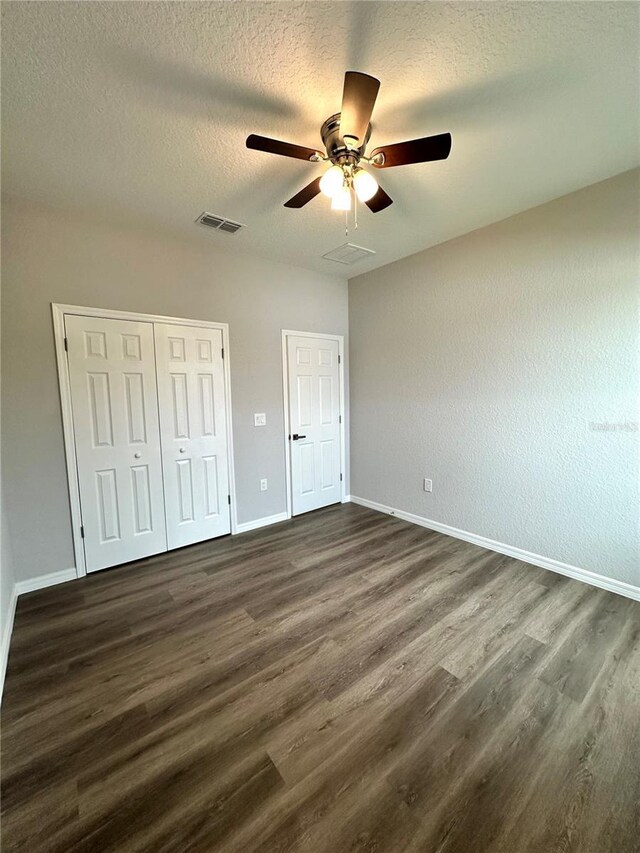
<point>339,359</point>
<point>339,419</point>
<point>66,344</point>
<point>340,477</point>
<point>82,531</point>
<point>229,499</point>
<point>223,352</point>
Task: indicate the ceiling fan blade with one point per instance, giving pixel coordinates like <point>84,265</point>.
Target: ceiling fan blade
<point>285,149</point>
<point>305,194</point>
<point>379,201</point>
<point>358,99</point>
<point>415,151</point>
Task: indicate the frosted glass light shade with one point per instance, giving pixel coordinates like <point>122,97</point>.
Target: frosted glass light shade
<point>342,199</point>
<point>365,185</point>
<point>332,181</point>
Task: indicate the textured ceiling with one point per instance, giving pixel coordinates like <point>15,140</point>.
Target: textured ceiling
<point>141,111</point>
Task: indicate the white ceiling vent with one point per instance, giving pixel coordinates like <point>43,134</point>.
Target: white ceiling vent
<point>218,223</point>
<point>348,254</point>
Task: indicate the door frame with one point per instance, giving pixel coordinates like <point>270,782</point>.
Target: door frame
<point>58,311</point>
<point>285,396</point>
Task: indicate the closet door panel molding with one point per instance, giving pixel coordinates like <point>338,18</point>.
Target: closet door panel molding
<point>112,369</point>
<point>207,485</point>
<point>193,430</point>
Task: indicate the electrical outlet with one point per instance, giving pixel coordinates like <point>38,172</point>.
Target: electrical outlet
<point>260,419</point>
<point>263,485</point>
<point>428,485</point>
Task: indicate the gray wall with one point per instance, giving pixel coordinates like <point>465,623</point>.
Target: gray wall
<point>483,363</point>
<point>51,256</point>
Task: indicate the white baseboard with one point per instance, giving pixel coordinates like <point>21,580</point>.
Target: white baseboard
<point>261,522</point>
<point>619,587</point>
<point>42,581</point>
<point>6,638</point>
<point>272,519</point>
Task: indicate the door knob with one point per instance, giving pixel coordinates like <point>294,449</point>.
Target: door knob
<point>182,449</point>
<point>295,436</point>
<point>137,455</point>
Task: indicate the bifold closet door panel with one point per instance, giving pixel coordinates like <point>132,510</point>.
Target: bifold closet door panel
<point>115,419</point>
<point>193,430</point>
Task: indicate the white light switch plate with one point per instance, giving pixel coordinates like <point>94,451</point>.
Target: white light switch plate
<point>263,485</point>
<point>260,419</point>
<point>428,485</point>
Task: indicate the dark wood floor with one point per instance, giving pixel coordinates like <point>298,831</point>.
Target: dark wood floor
<point>341,682</point>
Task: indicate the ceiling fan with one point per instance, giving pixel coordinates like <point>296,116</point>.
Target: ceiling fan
<point>345,136</point>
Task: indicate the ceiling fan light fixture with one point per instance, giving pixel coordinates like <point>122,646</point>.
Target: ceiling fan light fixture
<point>345,136</point>
<point>341,200</point>
<point>365,185</point>
<point>331,182</point>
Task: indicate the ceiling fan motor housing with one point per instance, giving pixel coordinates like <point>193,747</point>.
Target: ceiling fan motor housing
<point>339,151</point>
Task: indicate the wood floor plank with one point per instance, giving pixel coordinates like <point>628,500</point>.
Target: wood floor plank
<point>71,755</point>
<point>343,681</point>
<point>351,809</point>
<point>486,637</point>
<point>585,759</point>
<point>36,825</point>
<point>448,749</point>
<point>582,655</point>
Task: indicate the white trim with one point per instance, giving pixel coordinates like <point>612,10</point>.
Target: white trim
<point>6,638</point>
<point>139,316</point>
<point>64,386</point>
<point>59,310</point>
<point>285,400</point>
<point>591,578</point>
<point>265,521</point>
<point>43,581</point>
<point>229,413</point>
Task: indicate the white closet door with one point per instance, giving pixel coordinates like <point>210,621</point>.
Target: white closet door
<point>115,419</point>
<point>314,421</point>
<point>193,431</point>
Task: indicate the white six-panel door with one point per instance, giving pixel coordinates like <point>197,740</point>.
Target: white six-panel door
<point>193,427</point>
<point>314,422</point>
<point>115,417</point>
